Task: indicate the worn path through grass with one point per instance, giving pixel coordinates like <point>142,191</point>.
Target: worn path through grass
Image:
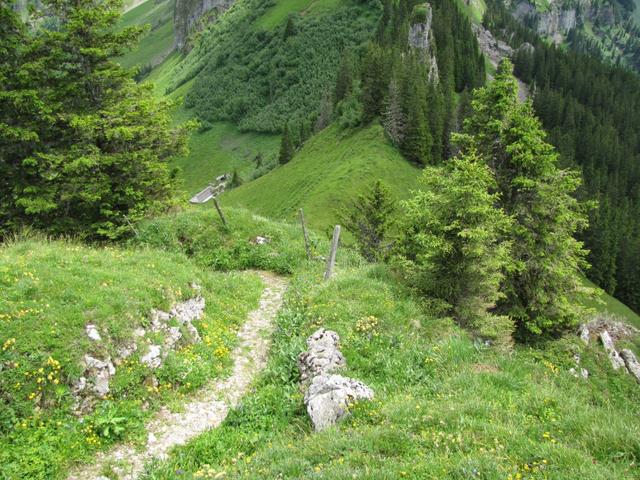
<point>208,408</point>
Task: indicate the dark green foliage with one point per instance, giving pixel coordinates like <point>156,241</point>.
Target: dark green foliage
<point>454,247</point>
<point>286,146</point>
<point>592,113</point>
<point>236,181</point>
<point>83,149</point>
<point>547,259</point>
<point>260,80</point>
<point>417,107</point>
<point>368,218</point>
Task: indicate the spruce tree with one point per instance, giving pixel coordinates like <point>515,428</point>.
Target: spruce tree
<point>454,247</point>
<point>393,117</point>
<point>286,146</point>
<point>87,148</point>
<point>541,290</point>
<point>369,219</point>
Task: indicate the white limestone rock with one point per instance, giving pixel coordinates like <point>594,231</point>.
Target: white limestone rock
<point>616,361</point>
<point>322,356</point>
<point>92,333</point>
<point>153,357</point>
<point>631,361</point>
<point>329,397</point>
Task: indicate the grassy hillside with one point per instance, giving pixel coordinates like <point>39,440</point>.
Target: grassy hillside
<point>50,292</point>
<point>278,13</point>
<point>157,42</point>
<point>445,407</point>
<point>223,149</point>
<point>331,168</point>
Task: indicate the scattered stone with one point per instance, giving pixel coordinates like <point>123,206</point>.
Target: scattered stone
<point>609,346</point>
<point>153,358</point>
<point>260,240</point>
<point>125,351</point>
<point>92,333</point>
<point>98,373</point>
<point>617,329</point>
<point>631,362</point>
<point>322,356</point>
<point>584,334</point>
<point>329,397</point>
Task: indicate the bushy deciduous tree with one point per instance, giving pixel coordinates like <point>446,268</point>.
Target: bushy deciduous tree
<point>454,246</point>
<point>85,150</point>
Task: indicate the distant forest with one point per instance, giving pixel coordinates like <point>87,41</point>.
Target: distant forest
<point>592,113</point>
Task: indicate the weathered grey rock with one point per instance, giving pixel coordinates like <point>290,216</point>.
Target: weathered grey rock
<point>421,38</point>
<point>322,356</point>
<point>631,362</point>
<point>617,329</point>
<point>126,350</point>
<point>98,373</point>
<point>584,334</point>
<point>616,361</point>
<point>330,396</point>
<point>92,333</point>
<point>153,357</point>
<point>188,15</point>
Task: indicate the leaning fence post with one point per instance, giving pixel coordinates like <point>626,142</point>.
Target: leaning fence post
<point>304,233</point>
<point>331,261</point>
<point>224,220</point>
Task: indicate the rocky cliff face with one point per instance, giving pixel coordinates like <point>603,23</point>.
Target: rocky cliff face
<point>421,38</point>
<point>191,13</point>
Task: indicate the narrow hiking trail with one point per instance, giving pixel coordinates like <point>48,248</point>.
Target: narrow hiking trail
<point>207,408</point>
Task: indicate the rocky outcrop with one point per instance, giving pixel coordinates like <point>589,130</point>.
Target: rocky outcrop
<point>188,15</point>
<point>328,396</point>
<point>495,50</point>
<point>421,38</point>
<point>173,326</point>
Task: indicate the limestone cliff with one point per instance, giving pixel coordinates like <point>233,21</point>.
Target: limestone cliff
<point>421,38</point>
<point>191,13</point>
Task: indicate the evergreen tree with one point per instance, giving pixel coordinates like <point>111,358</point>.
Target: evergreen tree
<point>541,290</point>
<point>368,218</point>
<point>326,113</point>
<point>290,28</point>
<point>393,117</point>
<point>87,149</point>
<point>374,81</point>
<point>453,248</point>
<point>286,146</point>
<point>236,181</point>
<point>345,77</point>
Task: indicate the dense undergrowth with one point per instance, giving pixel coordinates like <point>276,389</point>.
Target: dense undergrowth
<point>50,292</point>
<point>261,77</point>
<point>445,407</point>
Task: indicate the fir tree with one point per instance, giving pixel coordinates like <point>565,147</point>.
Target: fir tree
<point>86,148</point>
<point>393,117</point>
<point>369,219</point>
<point>286,146</point>
<point>454,247</point>
<point>541,290</point>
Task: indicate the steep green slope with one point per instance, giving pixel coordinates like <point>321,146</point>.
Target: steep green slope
<point>260,77</point>
<point>331,168</point>
<point>157,42</point>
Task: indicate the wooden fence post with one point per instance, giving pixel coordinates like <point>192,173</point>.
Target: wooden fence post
<point>304,233</point>
<point>331,261</point>
<point>224,220</point>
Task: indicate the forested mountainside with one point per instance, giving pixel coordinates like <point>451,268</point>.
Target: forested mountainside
<point>592,113</point>
<point>601,28</point>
